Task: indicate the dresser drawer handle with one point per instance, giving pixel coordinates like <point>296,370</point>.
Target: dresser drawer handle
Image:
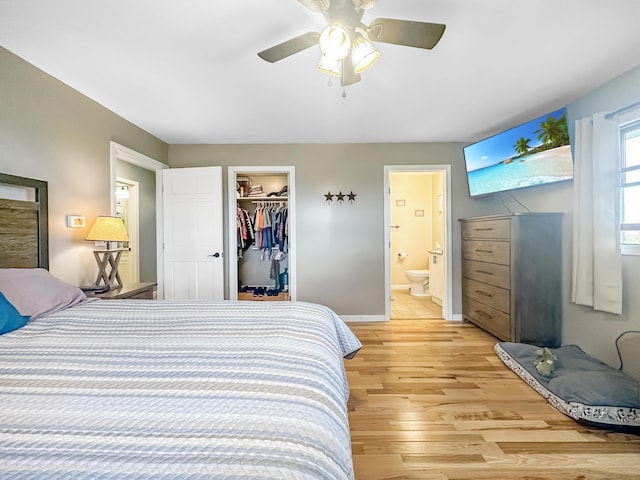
<point>479,250</point>
<point>486,229</point>
<point>484,272</point>
<point>484,314</point>
<point>485,294</point>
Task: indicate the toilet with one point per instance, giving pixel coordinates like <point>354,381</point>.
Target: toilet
<point>419,282</point>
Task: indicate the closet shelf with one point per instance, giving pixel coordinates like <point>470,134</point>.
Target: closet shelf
<point>264,199</point>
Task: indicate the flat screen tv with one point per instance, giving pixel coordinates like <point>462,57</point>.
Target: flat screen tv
<point>534,153</point>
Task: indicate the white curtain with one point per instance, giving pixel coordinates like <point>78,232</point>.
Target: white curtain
<point>597,263</point>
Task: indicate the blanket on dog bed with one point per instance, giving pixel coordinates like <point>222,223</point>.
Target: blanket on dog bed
<point>577,384</point>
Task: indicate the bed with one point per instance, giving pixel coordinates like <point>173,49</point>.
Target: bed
<point>170,389</point>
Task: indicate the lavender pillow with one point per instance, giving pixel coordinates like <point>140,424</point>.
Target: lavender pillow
<point>35,292</point>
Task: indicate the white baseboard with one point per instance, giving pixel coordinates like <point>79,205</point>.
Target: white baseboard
<point>400,287</point>
<point>362,318</point>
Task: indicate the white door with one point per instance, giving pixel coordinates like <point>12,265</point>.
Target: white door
<point>193,236</point>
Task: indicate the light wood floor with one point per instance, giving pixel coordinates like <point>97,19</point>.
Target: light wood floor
<point>430,400</point>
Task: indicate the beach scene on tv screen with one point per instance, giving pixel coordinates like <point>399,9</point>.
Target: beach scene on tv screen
<point>533,153</point>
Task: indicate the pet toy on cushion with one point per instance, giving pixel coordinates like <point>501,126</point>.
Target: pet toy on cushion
<point>546,362</point>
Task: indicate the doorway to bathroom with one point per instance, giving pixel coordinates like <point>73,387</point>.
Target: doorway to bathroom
<point>417,241</point>
<point>128,208</point>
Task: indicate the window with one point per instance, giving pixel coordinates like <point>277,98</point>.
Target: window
<point>630,188</point>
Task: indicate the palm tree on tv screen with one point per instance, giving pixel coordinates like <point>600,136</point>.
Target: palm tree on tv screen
<point>553,132</point>
<point>522,145</point>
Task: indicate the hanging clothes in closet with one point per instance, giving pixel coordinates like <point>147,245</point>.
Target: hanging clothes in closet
<point>271,228</point>
<point>246,233</point>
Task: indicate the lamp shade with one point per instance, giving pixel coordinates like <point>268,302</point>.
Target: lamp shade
<point>363,55</point>
<point>108,229</point>
<point>335,42</point>
<point>330,67</point>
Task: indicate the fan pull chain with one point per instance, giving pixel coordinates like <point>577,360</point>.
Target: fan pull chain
<point>344,93</point>
<point>329,83</point>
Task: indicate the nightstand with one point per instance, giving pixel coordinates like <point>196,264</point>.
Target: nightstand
<point>138,291</point>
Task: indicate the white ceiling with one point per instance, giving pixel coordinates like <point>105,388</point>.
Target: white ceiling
<point>187,71</point>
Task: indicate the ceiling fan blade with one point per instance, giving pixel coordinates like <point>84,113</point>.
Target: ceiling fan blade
<point>405,32</point>
<point>316,5</point>
<point>294,45</point>
<point>349,76</point>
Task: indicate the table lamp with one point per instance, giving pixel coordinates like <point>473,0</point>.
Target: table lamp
<point>108,229</point>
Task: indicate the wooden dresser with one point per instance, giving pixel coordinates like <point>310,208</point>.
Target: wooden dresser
<point>512,276</point>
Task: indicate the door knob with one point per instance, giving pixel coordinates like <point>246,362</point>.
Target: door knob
<point>214,255</point>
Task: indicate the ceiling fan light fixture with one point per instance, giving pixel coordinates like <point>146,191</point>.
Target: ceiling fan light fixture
<point>315,5</point>
<point>365,4</point>
<point>335,42</point>
<point>346,35</point>
<point>363,54</point>
<point>330,67</point>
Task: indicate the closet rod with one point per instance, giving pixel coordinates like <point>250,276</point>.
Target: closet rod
<point>279,202</point>
<point>622,110</point>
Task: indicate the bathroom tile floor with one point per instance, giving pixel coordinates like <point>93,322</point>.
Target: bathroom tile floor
<point>403,305</point>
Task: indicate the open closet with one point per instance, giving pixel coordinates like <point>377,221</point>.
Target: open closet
<point>261,233</point>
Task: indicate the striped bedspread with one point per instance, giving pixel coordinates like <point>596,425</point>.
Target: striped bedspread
<point>177,390</point>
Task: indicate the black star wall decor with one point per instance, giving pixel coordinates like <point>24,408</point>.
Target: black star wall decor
<point>340,197</point>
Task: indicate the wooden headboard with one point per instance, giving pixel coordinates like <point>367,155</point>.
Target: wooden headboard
<point>24,226</point>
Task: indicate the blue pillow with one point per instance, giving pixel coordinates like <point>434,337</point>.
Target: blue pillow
<point>10,318</point>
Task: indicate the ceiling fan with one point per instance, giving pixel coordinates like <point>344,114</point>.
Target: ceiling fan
<point>345,42</point>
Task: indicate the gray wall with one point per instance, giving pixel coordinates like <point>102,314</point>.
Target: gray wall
<point>147,210</point>
<point>596,332</point>
<point>51,132</point>
<point>340,247</point>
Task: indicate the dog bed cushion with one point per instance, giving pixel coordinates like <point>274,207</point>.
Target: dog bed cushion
<point>580,386</point>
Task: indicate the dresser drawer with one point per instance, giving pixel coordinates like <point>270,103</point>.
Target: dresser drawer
<point>493,321</point>
<point>487,251</point>
<point>487,229</point>
<point>495,297</point>
<point>491,273</point>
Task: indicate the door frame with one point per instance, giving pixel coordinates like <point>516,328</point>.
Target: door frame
<point>232,174</point>
<point>125,154</point>
<point>448,275</point>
